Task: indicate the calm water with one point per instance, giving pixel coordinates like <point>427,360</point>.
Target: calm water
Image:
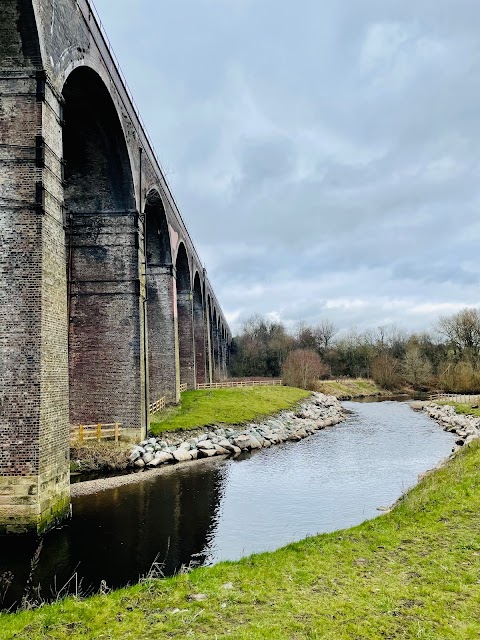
<point>334,479</point>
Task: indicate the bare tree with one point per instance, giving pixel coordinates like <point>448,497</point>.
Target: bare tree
<point>462,330</point>
<point>385,371</point>
<point>324,333</point>
<point>416,368</point>
<point>303,368</point>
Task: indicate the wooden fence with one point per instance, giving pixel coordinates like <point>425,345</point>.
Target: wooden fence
<point>183,387</point>
<point>159,405</point>
<point>240,383</point>
<point>94,432</point>
<point>457,398</point>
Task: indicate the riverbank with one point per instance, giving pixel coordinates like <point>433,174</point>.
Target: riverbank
<point>411,573</point>
<point>316,412</point>
<point>465,425</point>
<point>199,409</point>
<point>347,389</point>
<point>164,455</point>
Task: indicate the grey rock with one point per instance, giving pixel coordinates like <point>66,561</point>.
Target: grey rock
<point>207,453</point>
<point>181,455</point>
<point>221,451</point>
<point>205,444</point>
<point>134,456</point>
<point>163,456</point>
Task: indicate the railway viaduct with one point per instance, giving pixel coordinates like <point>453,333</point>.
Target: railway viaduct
<point>104,303</point>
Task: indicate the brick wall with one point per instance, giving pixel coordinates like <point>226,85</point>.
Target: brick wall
<point>199,330</point>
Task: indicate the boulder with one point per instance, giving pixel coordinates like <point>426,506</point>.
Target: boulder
<point>205,444</point>
<point>135,455</point>
<point>247,442</point>
<point>207,453</point>
<point>181,455</point>
<point>221,451</point>
<point>162,457</point>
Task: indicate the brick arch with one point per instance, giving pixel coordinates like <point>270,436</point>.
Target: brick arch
<point>199,328</point>
<point>98,174</point>
<point>184,298</point>
<point>102,260</point>
<point>216,344</point>
<point>159,281</point>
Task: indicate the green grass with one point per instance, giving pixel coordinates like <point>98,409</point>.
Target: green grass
<point>353,387</point>
<point>225,406</point>
<point>465,409</point>
<point>413,573</point>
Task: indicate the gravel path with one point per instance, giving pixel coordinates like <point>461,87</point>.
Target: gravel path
<point>103,484</point>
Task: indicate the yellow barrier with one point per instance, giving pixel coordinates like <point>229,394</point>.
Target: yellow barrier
<point>95,432</point>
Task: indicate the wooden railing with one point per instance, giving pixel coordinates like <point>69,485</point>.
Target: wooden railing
<point>456,397</point>
<point>94,432</point>
<point>159,405</point>
<point>240,383</point>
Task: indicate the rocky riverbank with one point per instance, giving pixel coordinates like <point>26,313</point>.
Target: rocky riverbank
<point>466,427</point>
<point>316,413</point>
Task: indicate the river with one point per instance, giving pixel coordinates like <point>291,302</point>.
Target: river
<point>231,508</point>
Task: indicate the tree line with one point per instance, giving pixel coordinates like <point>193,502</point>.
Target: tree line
<point>445,358</point>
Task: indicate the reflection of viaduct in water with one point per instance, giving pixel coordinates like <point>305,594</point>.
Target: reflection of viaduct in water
<point>105,305</point>
<point>116,535</point>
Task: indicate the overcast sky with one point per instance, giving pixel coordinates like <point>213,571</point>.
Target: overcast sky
<point>324,154</point>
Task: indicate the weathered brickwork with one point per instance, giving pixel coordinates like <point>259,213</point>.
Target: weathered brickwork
<point>199,331</point>
<point>97,318</point>
<point>164,364</point>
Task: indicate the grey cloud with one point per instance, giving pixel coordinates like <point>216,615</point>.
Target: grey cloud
<point>325,155</point>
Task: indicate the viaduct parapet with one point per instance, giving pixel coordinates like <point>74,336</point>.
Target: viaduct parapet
<point>105,306</point>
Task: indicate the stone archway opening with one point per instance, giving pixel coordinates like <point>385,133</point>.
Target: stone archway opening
<point>199,328</point>
<point>102,258</point>
<point>186,347</point>
<point>162,370</point>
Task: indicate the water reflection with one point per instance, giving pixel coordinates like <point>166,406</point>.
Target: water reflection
<point>116,535</point>
<point>335,479</point>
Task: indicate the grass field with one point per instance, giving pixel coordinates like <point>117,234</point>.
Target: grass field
<point>351,387</point>
<point>225,406</point>
<point>411,573</point>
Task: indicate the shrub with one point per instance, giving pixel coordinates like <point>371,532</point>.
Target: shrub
<point>302,368</point>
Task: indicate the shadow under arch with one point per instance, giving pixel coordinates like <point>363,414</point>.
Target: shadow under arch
<point>160,282</point>
<point>216,346</point>
<point>102,259</point>
<point>199,329</point>
<point>185,318</point>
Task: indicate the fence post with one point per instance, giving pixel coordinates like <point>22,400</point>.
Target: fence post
<point>80,434</point>
<point>116,431</point>
<point>99,431</point>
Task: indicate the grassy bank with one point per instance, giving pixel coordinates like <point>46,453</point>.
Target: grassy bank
<point>99,456</point>
<point>466,409</point>
<point>354,388</point>
<point>226,406</point>
<point>412,573</point>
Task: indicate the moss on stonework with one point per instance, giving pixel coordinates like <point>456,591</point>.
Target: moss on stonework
<point>38,524</point>
<point>54,516</point>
